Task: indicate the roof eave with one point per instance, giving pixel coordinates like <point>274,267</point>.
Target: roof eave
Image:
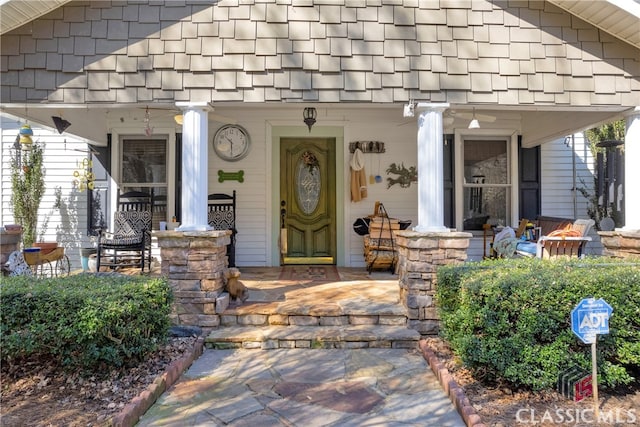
<point>16,13</point>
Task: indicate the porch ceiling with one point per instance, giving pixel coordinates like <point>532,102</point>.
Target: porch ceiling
<point>15,13</point>
<point>620,18</point>
<point>537,126</point>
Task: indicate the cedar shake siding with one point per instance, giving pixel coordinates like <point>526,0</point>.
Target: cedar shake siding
<point>500,53</point>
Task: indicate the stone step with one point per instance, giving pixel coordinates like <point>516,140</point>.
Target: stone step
<point>278,319</point>
<point>296,312</point>
<point>313,337</point>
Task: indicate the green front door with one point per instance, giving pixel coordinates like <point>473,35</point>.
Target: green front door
<point>307,200</point>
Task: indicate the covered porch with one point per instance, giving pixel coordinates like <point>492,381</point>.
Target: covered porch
<point>412,76</point>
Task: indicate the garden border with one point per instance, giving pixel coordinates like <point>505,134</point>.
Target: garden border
<point>451,388</point>
<point>140,404</point>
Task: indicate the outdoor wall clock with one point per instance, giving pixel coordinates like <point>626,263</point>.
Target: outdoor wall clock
<point>231,142</point>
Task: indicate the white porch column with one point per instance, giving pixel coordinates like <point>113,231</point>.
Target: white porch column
<point>195,135</point>
<point>632,172</point>
<point>430,169</point>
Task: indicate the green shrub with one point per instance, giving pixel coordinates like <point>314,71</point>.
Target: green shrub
<point>510,320</point>
<point>83,321</point>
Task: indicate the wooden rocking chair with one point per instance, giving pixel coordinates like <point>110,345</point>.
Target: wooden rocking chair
<point>221,215</point>
<point>129,243</point>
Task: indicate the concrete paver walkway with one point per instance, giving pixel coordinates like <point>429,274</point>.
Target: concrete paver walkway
<point>307,388</point>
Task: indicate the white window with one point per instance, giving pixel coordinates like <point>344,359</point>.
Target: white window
<point>486,179</point>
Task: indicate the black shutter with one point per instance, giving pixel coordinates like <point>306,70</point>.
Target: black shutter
<point>448,174</point>
<point>98,198</point>
<point>178,165</point>
<point>529,185</point>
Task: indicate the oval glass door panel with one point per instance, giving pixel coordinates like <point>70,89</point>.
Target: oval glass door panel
<point>308,186</point>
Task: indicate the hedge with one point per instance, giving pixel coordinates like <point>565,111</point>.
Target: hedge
<point>510,320</point>
<point>83,321</point>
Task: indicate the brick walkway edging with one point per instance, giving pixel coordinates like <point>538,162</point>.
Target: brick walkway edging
<point>140,404</point>
<point>451,388</point>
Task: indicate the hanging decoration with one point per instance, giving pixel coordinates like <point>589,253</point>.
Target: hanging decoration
<point>405,178</point>
<point>83,177</point>
<point>310,160</point>
<point>230,176</point>
<point>148,130</point>
<point>25,137</point>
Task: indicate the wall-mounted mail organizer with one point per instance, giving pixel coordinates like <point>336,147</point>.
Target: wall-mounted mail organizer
<point>367,146</point>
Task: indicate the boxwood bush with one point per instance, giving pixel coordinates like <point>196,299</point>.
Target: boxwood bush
<point>83,321</point>
<point>510,320</point>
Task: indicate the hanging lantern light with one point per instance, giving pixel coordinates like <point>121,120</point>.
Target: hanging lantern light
<point>309,114</point>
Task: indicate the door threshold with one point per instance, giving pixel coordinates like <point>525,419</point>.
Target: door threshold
<point>307,260</point>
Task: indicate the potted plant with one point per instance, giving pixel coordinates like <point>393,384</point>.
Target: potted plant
<point>27,188</point>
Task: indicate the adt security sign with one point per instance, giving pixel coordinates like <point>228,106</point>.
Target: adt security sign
<point>590,318</point>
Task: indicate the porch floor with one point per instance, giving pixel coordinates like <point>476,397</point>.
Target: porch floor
<point>318,291</point>
<point>313,290</point>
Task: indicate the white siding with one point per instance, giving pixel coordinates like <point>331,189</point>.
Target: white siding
<point>401,148</point>
<point>67,225</point>
<point>252,195</point>
<point>558,192</point>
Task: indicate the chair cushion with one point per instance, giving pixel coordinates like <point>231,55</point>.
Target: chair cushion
<point>221,219</point>
<point>131,223</point>
<point>130,228</point>
<point>565,232</point>
<point>121,240</point>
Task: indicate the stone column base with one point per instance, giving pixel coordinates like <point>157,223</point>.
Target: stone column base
<point>194,262</point>
<point>419,255</point>
<point>620,243</point>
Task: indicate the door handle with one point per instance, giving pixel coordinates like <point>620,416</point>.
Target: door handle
<point>283,212</point>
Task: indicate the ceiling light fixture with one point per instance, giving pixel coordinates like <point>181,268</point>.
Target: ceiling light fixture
<point>309,114</point>
<point>474,124</point>
<point>408,110</point>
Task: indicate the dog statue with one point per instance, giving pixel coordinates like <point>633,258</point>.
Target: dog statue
<point>237,290</point>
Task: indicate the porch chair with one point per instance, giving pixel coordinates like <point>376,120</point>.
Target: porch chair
<point>569,242</point>
<point>221,215</point>
<point>129,244</point>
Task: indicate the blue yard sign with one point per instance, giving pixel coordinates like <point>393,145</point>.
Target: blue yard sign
<point>590,318</point>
